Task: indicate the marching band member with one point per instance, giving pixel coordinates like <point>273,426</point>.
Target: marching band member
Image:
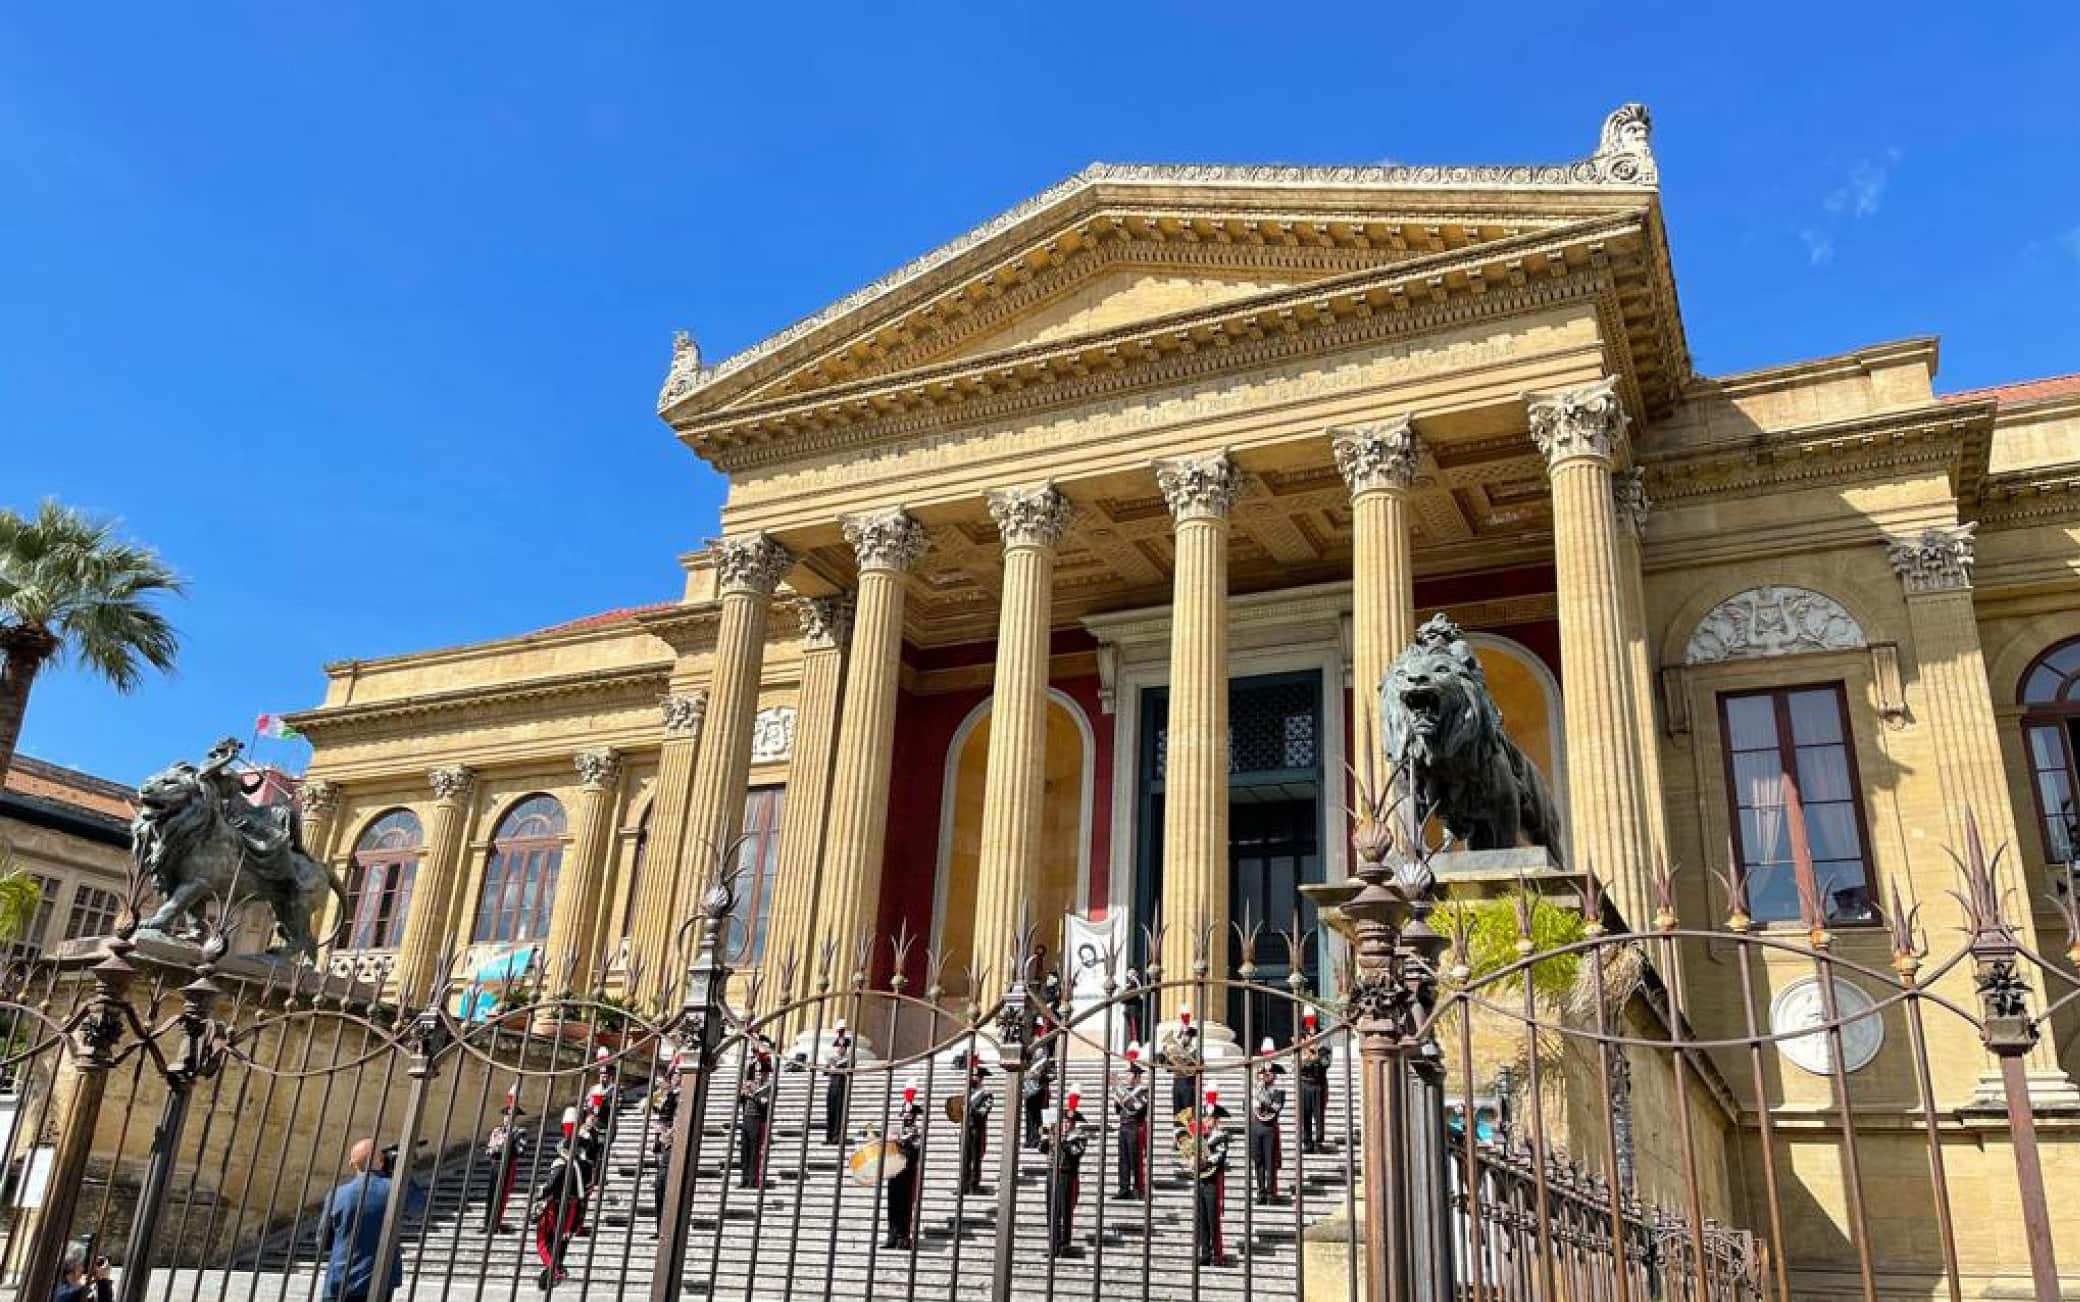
<point>981,1101</point>
<point>1181,1055</point>
<point>1209,1176</point>
<point>838,1060</point>
<point>604,1099</point>
<point>1130,1102</point>
<point>1314,1089</point>
<point>1266,1102</point>
<point>1036,1087</point>
<point>505,1146</point>
<point>1066,1140</point>
<point>902,1188</point>
<point>755,1113</point>
<point>559,1206</point>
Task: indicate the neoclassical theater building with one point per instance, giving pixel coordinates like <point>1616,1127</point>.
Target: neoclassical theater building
<point>1057,568</point>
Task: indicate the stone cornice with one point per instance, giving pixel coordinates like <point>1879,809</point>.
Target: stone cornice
<point>1421,297</point>
<point>1953,438</point>
<point>2036,495</point>
<point>1622,164</point>
<point>336,723</point>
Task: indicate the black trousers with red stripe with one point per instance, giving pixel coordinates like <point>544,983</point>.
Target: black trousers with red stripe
<point>1208,1201</point>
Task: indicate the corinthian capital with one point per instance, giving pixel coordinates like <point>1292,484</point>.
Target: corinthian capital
<point>1629,493</point>
<point>450,781</point>
<point>317,797</point>
<point>683,713</point>
<point>1198,488</point>
<point>885,540</point>
<point>1936,560</point>
<point>598,767</point>
<point>826,621</point>
<point>1586,421</point>
<point>1030,517</point>
<point>1381,455</point>
<point>752,563</point>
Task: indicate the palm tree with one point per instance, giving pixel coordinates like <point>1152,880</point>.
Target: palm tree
<point>71,589</point>
<point>20,893</point>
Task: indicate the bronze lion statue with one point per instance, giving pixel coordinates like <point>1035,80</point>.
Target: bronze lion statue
<point>1442,728</point>
<point>196,837</point>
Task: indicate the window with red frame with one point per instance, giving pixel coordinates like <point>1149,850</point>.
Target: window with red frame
<point>379,885</point>
<point>1797,803</point>
<point>520,875</point>
<point>757,861</point>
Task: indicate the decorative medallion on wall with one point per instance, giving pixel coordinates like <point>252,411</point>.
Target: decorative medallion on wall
<point>772,733</point>
<point>1798,1005</point>
<point>1772,621</point>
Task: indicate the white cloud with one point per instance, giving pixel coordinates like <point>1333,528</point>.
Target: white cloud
<point>1864,192</point>
<point>1819,245</point>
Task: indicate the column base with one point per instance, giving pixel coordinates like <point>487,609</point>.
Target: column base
<point>2050,1089</point>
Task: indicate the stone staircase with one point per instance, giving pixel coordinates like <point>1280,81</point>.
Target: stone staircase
<point>813,1233</point>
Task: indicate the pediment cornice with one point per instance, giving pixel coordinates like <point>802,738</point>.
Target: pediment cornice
<point>1955,439</point>
<point>1319,219</point>
<point>1611,260</point>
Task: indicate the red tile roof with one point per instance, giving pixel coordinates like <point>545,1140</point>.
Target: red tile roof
<point>2057,386</point>
<point>614,616</point>
<point>54,782</point>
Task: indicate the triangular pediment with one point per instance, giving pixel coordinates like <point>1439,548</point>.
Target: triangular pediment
<point>1116,246</point>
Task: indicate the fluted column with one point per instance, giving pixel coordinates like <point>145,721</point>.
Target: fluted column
<point>747,570</point>
<point>1378,462</point>
<point>1199,491</point>
<point>887,543</point>
<point>826,629</point>
<point>1630,497</point>
<point>429,926</point>
<point>1031,521</point>
<point>655,925</point>
<point>1581,431</point>
<point>1935,568</point>
<point>317,802</point>
<point>572,946</point>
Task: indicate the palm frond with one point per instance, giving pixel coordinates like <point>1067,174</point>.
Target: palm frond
<point>67,574</point>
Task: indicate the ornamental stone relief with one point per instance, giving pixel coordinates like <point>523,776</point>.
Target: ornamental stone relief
<point>684,374</point>
<point>826,621</point>
<point>1585,421</point>
<point>885,540</point>
<point>597,768</point>
<point>1198,488</point>
<point>1936,560</point>
<point>317,797</point>
<point>772,733</point>
<point>450,781</point>
<point>1772,621</point>
<point>753,563</point>
<point>683,713</point>
<point>1030,517</point>
<point>1381,455</point>
<point>1629,492</point>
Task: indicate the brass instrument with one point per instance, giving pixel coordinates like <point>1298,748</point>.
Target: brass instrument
<point>1189,1151</point>
<point>876,1162</point>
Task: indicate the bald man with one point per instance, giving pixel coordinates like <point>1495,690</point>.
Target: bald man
<point>353,1226</point>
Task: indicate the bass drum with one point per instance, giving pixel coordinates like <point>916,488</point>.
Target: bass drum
<point>876,1162</point>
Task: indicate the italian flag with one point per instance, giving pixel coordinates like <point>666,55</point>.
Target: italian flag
<point>273,725</point>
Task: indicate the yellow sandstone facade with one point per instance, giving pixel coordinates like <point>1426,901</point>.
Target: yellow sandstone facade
<point>1057,568</point>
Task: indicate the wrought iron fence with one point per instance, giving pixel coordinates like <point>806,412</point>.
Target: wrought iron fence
<point>1430,1128</point>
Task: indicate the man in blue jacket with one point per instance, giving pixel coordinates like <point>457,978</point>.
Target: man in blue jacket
<point>354,1225</point>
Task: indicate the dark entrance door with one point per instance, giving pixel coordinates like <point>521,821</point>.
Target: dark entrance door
<point>1274,827</point>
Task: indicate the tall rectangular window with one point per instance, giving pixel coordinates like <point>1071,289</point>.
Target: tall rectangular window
<point>93,912</point>
<point>1797,805</point>
<point>758,861</point>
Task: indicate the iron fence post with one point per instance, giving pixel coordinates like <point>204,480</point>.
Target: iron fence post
<point>701,1019</point>
<point>1430,1194</point>
<point>429,1037</point>
<point>96,1032</point>
<point>201,1054</point>
<point>1014,1032</point>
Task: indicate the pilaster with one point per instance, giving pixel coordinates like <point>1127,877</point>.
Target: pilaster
<point>427,926</point>
<point>317,802</point>
<point>685,715</point>
<point>1378,462</point>
<point>887,544</point>
<point>1629,494</point>
<point>1200,492</point>
<point>1581,432</point>
<point>1031,521</point>
<point>826,631</point>
<point>572,946</point>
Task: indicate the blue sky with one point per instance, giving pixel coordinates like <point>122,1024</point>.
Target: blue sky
<point>357,312</point>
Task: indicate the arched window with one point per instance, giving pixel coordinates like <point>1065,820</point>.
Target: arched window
<point>379,885</point>
<point>758,861</point>
<point>520,876</point>
<point>2050,698</point>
